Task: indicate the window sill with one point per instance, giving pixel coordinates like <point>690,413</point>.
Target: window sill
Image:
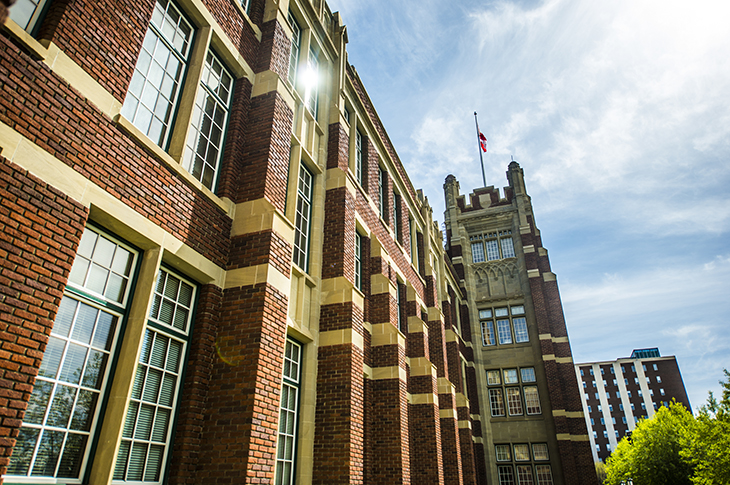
<point>224,204</point>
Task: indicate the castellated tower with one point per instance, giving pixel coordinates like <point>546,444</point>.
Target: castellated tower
<point>530,426</point>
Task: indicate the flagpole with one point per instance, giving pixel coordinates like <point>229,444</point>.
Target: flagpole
<point>479,147</point>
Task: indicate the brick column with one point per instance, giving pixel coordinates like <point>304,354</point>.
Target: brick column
<point>40,229</point>
<point>389,446</point>
<point>427,465</point>
<point>339,421</point>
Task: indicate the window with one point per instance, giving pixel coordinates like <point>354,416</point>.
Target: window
<point>358,158</point>
<point>636,381</point>
<point>532,400</point>
<point>626,381</point>
<point>595,435</point>
<point>661,391</point>
<point>654,366</point>
<point>312,88</point>
<point>596,396</point>
<point>504,325</point>
<point>648,380</point>
<point>589,409</point>
<point>612,371</point>
<point>296,43</point>
<point>381,193</point>
<point>623,419</point>
<point>63,411</point>
<point>210,115</point>
<point>155,87</point>
<point>498,244</point>
<point>659,379</point>
<point>397,226</point>
<point>602,371</point>
<point>544,475</point>
<point>593,423</point>
<point>591,370</point>
<point>633,408</point>
<point>620,407</point>
<point>520,455</point>
<point>303,216</point>
<point>613,420</point>
<point>514,393</point>
<point>503,453</point>
<point>496,402</point>
<point>581,372</point>
<point>604,383</point>
<point>605,434</point>
<point>346,114</point>
<point>26,13</point>
<point>528,374</point>
<point>585,385</point>
<point>628,393</point>
<point>593,383</point>
<point>477,252</point>
<point>641,394</point>
<point>147,428</point>
<point>246,4</point>
<point>358,261</point>
<point>603,422</point>
<point>643,366</point>
<point>600,409</point>
<point>288,413</point>
<point>400,287</point>
<point>506,475</point>
<point>615,382</point>
<point>610,408</point>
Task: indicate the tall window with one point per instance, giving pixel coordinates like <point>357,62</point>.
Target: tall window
<point>312,94</point>
<point>518,390</point>
<point>63,410</point>
<point>381,193</point>
<point>498,245</point>
<point>398,226</point>
<point>401,288</point>
<point>358,261</point>
<point>510,325</point>
<point>155,88</point>
<point>296,43</point>
<point>358,158</point>
<point>205,139</point>
<point>303,216</point>
<point>27,13</point>
<point>288,412</point>
<point>147,428</point>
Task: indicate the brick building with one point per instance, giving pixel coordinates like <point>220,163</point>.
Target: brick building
<point>526,408</point>
<point>616,394</point>
<point>214,266</point>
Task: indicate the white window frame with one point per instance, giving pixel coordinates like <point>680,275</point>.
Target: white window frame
<point>289,413</point>
<point>303,221</point>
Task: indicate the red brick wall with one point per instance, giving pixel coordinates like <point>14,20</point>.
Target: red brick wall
<point>40,106</point>
<point>40,231</point>
<point>241,419</point>
<point>190,420</point>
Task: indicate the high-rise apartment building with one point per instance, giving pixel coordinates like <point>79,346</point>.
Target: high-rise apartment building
<point>526,407</point>
<point>617,394</point>
<point>215,269</point>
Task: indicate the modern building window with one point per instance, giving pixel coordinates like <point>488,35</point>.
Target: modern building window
<point>591,371</point>
<point>296,43</point>
<point>661,391</point>
<point>62,417</point>
<point>585,384</point>
<point>358,261</point>
<point>359,173</point>
<point>210,116</point>
<point>147,429</point>
<point>288,413</point>
<point>654,366</point>
<point>620,407</point>
<point>302,224</point>
<point>618,394</point>
<point>382,206</point>
<point>658,379</point>
<point>505,320</point>
<point>312,88</point>
<point>155,88</point>
<point>593,383</point>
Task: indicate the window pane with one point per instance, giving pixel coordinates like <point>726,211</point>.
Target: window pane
<point>522,452</point>
<point>488,337</point>
<point>477,252</point>
<point>520,325</point>
<point>514,401</point>
<point>508,250</point>
<point>524,475</point>
<point>302,220</point>
<point>492,250</point>
<point>510,376</point>
<point>532,400</point>
<point>544,476</point>
<point>493,377</point>
<point>505,335</point>
<point>496,402</point>
<point>528,374</point>
<point>506,475</point>
<point>503,452</point>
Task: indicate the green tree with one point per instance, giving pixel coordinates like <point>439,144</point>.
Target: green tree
<point>708,447</point>
<point>653,455</point>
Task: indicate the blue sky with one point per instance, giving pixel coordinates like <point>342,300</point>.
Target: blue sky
<point>619,114</point>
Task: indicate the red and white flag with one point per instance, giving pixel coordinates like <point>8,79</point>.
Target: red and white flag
<point>483,142</point>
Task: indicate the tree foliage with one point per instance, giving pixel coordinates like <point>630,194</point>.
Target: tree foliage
<point>675,448</point>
